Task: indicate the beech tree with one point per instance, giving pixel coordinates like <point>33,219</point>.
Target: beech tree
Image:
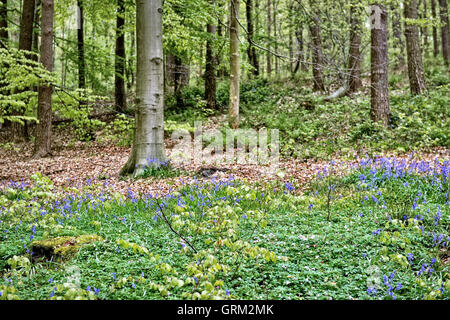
<point>354,63</point>
<point>210,70</point>
<point>234,65</point>
<point>435,33</point>
<point>149,131</point>
<point>120,94</point>
<point>444,30</point>
<point>317,47</point>
<point>415,67</point>
<point>379,65</point>
<point>42,147</point>
<point>81,58</point>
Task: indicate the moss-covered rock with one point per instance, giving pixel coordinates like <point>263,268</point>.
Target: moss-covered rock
<point>61,248</point>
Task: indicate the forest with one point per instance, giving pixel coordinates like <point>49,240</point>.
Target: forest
<point>224,150</point>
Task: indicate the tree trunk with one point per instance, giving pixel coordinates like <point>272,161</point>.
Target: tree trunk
<point>42,146</point>
<point>4,23</point>
<point>148,146</point>
<point>131,62</point>
<point>354,82</point>
<point>210,70</point>
<point>251,50</point>
<point>317,48</point>
<point>80,37</point>
<point>415,67</point>
<point>425,29</point>
<point>269,31</point>
<point>234,65</point>
<point>275,35</point>
<point>379,66</point>
<point>435,33</point>
<point>120,94</point>
<point>444,30</point>
<point>397,32</point>
<point>20,132</point>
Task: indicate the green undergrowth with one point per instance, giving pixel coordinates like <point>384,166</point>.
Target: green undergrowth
<point>342,239</point>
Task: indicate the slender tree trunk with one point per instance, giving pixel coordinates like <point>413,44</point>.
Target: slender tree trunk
<point>20,132</point>
<point>120,94</point>
<point>42,146</point>
<point>131,60</point>
<point>210,70</point>
<point>355,51</point>
<point>4,23</point>
<point>398,36</point>
<point>444,30</point>
<point>269,33</point>
<point>80,37</point>
<point>379,65</point>
<point>425,29</point>
<point>148,146</point>
<point>415,67</point>
<point>251,51</point>
<point>234,65</point>
<point>435,33</point>
<point>275,34</point>
<point>317,48</point>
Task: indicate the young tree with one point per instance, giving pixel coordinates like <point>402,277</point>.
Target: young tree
<point>444,30</point>
<point>210,70</point>
<point>80,37</point>
<point>149,132</point>
<point>20,131</point>
<point>120,59</point>
<point>3,23</point>
<point>379,65</point>
<point>269,31</point>
<point>317,47</point>
<point>42,147</point>
<point>415,67</point>
<point>251,50</point>
<point>435,33</point>
<point>234,65</point>
<point>397,33</point>
<point>354,63</point>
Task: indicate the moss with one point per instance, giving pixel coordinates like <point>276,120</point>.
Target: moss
<point>61,248</point>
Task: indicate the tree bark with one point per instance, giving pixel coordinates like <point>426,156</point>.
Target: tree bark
<point>42,146</point>
<point>210,68</point>
<point>131,61</point>
<point>380,108</point>
<point>80,38</point>
<point>397,32</point>
<point>4,36</point>
<point>148,146</point>
<point>234,65</point>
<point>269,32</point>
<point>415,66</point>
<point>425,29</point>
<point>444,30</point>
<point>317,48</point>
<point>435,33</point>
<point>251,50</point>
<point>120,59</point>
<point>354,63</point>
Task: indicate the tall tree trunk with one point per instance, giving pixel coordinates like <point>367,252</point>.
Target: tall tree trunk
<point>251,50</point>
<point>444,30</point>
<point>42,146</point>
<point>210,68</point>
<point>131,61</point>
<point>435,33</point>
<point>397,32</point>
<point>317,48</point>
<point>275,34</point>
<point>269,33</point>
<point>415,67</point>
<point>120,94</point>
<point>20,132</point>
<point>80,38</point>
<point>379,65</point>
<point>234,65</point>
<point>149,133</point>
<point>4,23</point>
<point>425,28</point>
<point>354,64</point>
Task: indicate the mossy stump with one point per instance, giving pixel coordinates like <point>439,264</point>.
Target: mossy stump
<point>61,248</point>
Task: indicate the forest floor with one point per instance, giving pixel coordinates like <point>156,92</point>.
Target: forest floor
<point>81,163</point>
